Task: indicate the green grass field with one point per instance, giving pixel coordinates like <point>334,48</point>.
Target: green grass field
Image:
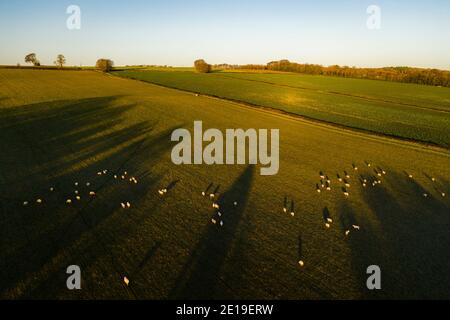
<point>403,110</point>
<point>61,128</point>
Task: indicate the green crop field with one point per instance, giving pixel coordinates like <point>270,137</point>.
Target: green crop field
<point>407,111</point>
<point>86,134</point>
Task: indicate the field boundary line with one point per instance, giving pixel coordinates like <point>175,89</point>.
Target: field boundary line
<point>339,94</point>
<point>352,131</point>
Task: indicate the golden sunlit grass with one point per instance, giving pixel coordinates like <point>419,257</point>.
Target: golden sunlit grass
<point>61,128</point>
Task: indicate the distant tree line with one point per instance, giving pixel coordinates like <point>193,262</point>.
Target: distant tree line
<point>432,77</point>
<point>104,65</point>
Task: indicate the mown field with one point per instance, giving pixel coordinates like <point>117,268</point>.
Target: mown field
<point>403,110</point>
<point>61,129</point>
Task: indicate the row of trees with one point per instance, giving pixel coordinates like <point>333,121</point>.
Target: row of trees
<point>104,65</point>
<point>433,77</point>
<point>32,58</point>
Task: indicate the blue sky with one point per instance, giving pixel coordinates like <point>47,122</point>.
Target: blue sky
<point>174,32</point>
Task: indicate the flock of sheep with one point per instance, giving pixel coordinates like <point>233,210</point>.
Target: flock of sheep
<point>325,184</point>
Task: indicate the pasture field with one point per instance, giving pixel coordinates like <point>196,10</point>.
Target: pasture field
<point>407,111</point>
<point>73,131</point>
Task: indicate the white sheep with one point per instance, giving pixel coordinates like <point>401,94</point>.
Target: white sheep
<point>356,227</point>
<point>126,281</point>
<point>69,201</point>
<point>301,263</point>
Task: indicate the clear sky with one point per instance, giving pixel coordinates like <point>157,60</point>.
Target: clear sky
<point>176,32</point>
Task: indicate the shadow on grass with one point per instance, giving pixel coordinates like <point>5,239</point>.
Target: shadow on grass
<point>205,270</point>
<point>408,238</point>
<point>63,144</point>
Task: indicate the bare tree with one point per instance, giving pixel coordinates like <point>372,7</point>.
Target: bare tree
<point>31,58</point>
<point>60,60</point>
<point>104,65</point>
<point>201,66</point>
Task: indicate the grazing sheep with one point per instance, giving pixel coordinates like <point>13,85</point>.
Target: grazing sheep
<point>128,205</point>
<point>292,213</point>
<point>364,185</point>
<point>327,225</point>
<point>346,194</point>
<point>52,189</point>
<point>88,184</point>
<point>330,220</point>
<point>235,203</point>
<point>443,194</point>
<point>115,176</point>
<point>433,179</point>
<point>78,198</point>
<point>347,185</point>
<point>284,210</point>
<point>123,205</point>
<point>212,195</point>
<point>219,214</point>
<point>347,232</point>
<point>318,190</point>
<point>39,201</point>
<point>123,177</point>
<point>384,172</point>
<point>356,227</point>
<point>126,281</point>
<point>25,203</point>
<point>221,223</point>
<point>425,195</point>
<point>328,188</point>
<point>411,176</point>
<point>203,193</point>
<point>76,192</point>
<point>301,263</point>
<point>69,201</point>
<point>99,173</point>
<point>76,184</point>
<point>213,221</point>
<point>356,168</point>
<point>92,193</point>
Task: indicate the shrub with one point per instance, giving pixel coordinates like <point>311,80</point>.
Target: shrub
<point>201,66</point>
<point>104,65</point>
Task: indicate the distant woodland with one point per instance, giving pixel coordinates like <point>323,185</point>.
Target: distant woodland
<point>433,77</point>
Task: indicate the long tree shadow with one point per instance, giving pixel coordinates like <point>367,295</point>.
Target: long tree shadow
<point>203,272</point>
<point>408,240</point>
<point>62,145</point>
